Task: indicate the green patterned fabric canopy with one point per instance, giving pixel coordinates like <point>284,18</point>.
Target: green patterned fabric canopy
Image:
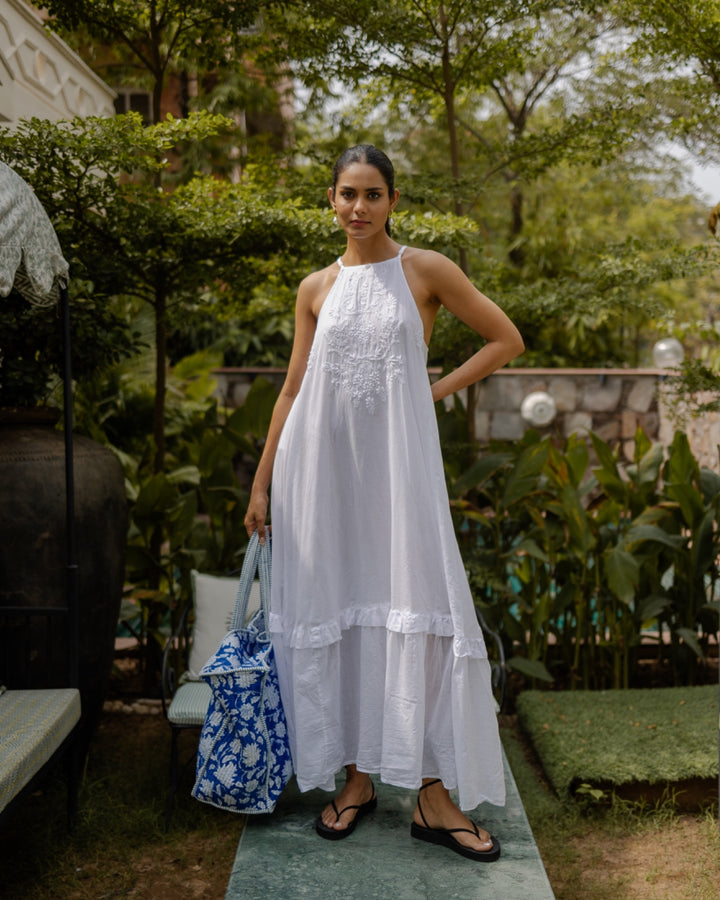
<point>31,260</point>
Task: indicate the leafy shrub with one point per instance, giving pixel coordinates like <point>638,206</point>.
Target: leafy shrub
<point>577,562</point>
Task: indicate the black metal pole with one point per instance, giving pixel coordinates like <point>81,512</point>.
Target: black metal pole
<point>71,581</point>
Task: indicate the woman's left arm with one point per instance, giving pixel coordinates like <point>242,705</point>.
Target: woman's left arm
<point>451,287</point>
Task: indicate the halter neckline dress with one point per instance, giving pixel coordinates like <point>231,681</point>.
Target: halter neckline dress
<point>381,659</point>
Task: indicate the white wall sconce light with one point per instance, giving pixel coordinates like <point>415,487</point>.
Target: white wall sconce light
<point>538,409</point>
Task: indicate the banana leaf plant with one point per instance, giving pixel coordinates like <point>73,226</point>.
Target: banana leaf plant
<point>502,494</point>
<point>577,562</point>
<point>682,535</point>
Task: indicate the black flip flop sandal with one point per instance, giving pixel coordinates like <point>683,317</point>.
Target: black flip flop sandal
<point>332,834</point>
<point>444,836</point>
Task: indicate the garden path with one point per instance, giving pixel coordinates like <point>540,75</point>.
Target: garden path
<point>281,856</point>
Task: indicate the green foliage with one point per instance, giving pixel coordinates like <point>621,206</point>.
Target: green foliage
<point>601,312</point>
<point>76,171</point>
<point>575,561</point>
<point>95,178</point>
<point>616,738</point>
<point>482,74</point>
<point>98,181</point>
<point>682,537</point>
<point>552,165</point>
<point>408,40</point>
<point>698,385</point>
<point>159,37</point>
<point>197,503</point>
<point>681,44</point>
<point>32,356</point>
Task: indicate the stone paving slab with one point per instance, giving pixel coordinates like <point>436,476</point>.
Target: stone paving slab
<point>281,856</point>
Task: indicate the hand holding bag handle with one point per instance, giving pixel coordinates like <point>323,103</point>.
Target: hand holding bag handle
<point>257,559</point>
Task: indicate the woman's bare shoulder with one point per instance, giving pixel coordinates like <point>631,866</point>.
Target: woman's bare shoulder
<point>432,270</point>
<point>315,287</point>
<point>320,277</point>
<point>423,257</point>
<point>318,280</point>
<point>427,260</point>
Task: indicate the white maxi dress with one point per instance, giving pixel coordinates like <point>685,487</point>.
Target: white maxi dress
<point>381,659</point>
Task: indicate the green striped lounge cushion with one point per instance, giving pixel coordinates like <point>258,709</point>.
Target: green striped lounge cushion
<point>190,703</point>
<point>33,725</point>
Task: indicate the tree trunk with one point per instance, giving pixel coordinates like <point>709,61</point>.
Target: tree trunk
<point>517,251</point>
<point>153,654</point>
<point>449,99</point>
<point>160,307</point>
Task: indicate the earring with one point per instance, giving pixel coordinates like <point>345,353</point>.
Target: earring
<point>334,220</point>
<point>390,221</point>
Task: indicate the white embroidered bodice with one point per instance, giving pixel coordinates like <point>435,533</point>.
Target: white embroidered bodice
<point>360,329</point>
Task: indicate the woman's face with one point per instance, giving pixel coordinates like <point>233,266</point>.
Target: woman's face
<point>361,200</point>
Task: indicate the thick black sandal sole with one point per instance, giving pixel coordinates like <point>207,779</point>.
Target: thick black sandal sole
<point>445,839</point>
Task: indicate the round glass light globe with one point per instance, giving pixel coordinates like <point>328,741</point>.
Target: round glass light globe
<point>668,353</point>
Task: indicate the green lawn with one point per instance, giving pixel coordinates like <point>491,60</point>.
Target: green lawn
<point>616,739</point>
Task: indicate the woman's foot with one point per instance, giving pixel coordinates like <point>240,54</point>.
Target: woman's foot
<point>340,816</point>
<point>439,821</point>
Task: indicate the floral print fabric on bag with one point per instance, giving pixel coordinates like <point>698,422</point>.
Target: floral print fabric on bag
<point>243,761</point>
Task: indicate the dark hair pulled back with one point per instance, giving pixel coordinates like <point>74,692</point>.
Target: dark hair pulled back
<point>369,154</point>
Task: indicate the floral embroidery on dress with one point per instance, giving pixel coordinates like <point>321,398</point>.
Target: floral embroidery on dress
<point>362,343</point>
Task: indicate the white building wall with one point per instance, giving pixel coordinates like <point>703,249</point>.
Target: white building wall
<point>40,75</point>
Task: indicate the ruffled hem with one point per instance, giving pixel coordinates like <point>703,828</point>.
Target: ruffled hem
<point>473,647</point>
<point>419,623</point>
<point>400,706</point>
<point>304,637</point>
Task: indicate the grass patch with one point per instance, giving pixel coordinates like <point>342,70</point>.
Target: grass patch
<point>621,849</point>
<point>119,847</point>
<point>640,742</point>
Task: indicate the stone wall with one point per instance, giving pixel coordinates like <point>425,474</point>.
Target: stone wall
<point>703,431</point>
<point>610,402</point>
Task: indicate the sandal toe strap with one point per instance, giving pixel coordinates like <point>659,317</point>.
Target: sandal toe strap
<point>344,809</point>
<point>457,830</point>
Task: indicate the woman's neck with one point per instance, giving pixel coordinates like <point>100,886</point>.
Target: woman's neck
<point>360,252</point>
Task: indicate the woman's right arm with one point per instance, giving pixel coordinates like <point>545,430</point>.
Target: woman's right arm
<point>305,322</point>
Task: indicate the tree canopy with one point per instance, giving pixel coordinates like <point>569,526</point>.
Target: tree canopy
<point>161,36</point>
<point>538,122</point>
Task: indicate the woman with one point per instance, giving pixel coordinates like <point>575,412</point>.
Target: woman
<point>381,660</point>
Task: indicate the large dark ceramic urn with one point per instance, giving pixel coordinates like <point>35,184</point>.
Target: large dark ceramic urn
<point>33,554</point>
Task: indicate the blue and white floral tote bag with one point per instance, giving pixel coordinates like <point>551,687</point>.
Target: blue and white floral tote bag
<point>243,761</point>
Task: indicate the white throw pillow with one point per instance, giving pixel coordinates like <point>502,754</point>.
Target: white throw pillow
<point>214,601</point>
